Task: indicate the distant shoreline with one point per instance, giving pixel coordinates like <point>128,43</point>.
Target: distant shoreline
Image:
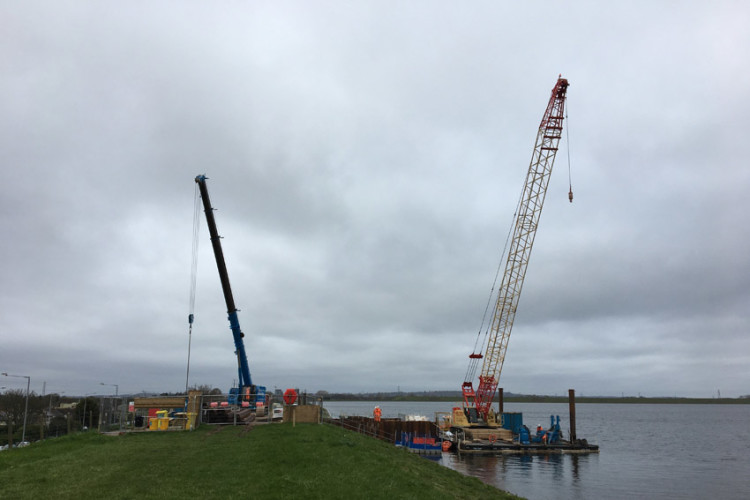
<point>542,399</point>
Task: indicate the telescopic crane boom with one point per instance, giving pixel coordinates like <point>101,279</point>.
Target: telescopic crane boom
<point>524,231</point>
<point>245,390</point>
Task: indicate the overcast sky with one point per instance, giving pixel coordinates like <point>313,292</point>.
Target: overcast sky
<point>365,160</point>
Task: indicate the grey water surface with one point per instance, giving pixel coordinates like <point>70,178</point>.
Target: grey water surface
<point>655,451</point>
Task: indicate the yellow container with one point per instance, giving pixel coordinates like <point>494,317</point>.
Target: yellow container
<point>160,422</point>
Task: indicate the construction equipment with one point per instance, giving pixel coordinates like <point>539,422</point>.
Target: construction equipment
<point>245,394</point>
<point>477,404</point>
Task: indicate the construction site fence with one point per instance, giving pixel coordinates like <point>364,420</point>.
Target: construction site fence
<point>391,430</point>
<point>113,414</point>
<point>207,409</point>
<point>215,408</point>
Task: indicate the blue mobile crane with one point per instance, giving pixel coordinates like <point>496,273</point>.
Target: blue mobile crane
<point>245,394</point>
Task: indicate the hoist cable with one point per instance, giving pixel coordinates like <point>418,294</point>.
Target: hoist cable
<point>193,278</point>
<point>472,368</point>
<point>194,262</point>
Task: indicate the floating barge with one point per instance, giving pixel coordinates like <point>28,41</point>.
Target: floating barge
<point>421,444</point>
<point>462,432</point>
<point>515,438</point>
<point>511,448</point>
<point>508,434</point>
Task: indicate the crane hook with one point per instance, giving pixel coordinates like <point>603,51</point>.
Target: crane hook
<point>570,195</point>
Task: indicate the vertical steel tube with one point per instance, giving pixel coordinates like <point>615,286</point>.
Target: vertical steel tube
<point>26,410</point>
<point>572,407</point>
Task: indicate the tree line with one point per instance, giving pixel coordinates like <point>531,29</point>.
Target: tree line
<point>45,416</point>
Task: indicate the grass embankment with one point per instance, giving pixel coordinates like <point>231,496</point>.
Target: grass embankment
<point>270,461</point>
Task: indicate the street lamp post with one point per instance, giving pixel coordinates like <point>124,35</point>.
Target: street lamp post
<point>117,391</point>
<point>85,402</point>
<point>26,410</point>
<point>117,387</point>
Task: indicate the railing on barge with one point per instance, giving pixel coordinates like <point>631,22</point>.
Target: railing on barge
<point>420,437</point>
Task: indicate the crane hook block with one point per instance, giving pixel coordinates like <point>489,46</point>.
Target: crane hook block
<point>570,195</point>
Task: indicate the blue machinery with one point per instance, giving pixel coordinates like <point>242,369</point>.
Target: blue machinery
<point>514,422</point>
<point>245,394</point>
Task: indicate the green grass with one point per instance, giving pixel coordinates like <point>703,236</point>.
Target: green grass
<point>270,461</point>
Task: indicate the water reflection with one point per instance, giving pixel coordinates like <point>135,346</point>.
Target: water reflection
<point>576,470</point>
<point>523,473</point>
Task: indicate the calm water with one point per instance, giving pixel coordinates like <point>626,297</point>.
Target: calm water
<point>647,451</point>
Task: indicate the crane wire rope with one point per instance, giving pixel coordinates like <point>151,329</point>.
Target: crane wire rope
<point>193,277</point>
<point>474,361</point>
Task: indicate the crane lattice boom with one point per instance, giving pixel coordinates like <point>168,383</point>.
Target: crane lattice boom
<point>524,231</point>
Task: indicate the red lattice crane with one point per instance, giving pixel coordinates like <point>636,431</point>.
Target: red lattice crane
<point>524,230</point>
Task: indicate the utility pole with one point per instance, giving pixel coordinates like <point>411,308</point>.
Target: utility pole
<point>26,410</point>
